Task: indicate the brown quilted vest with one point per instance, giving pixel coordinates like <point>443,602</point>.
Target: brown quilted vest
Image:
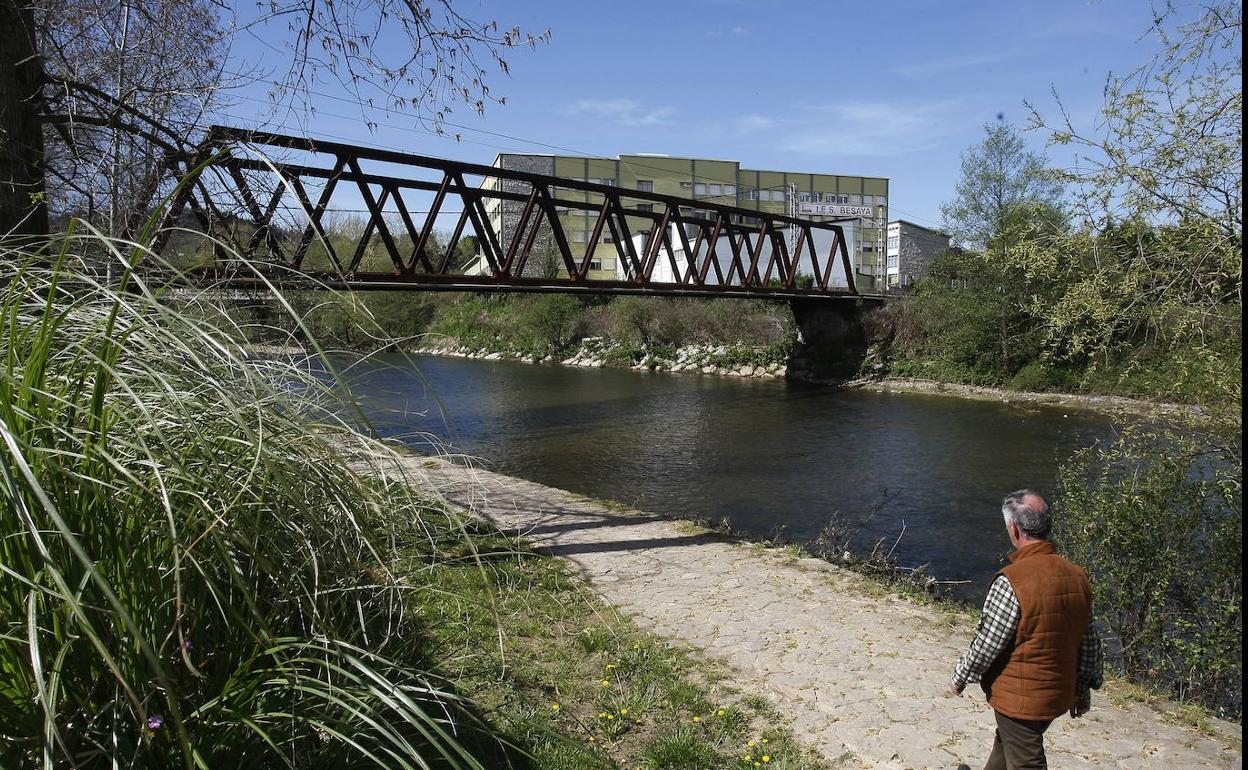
<point>1036,679</point>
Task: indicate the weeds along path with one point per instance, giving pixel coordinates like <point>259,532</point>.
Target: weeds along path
<point>861,672</point>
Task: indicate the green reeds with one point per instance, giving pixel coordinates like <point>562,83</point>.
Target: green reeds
<point>193,568</point>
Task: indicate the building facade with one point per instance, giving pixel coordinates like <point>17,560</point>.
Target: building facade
<point>909,250</point>
<point>859,204</point>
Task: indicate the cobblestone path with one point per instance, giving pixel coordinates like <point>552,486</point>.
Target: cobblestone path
<point>862,673</point>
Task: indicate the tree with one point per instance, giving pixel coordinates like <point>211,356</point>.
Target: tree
<point>418,56</point>
<point>1159,261</point>
<point>128,82</point>
<point>1168,145</point>
<point>22,198</point>
<point>1000,179</point>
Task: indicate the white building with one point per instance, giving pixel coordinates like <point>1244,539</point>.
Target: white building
<point>910,249</point>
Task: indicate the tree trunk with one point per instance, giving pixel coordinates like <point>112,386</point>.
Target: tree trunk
<point>23,208</point>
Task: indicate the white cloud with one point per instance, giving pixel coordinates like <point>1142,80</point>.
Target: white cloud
<point>737,31</point>
<point>872,128</point>
<point>748,124</point>
<point>930,67</point>
<point>628,112</point>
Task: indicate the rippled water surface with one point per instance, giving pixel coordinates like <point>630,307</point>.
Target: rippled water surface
<point>764,454</point>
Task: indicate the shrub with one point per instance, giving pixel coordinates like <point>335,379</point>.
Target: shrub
<point>1156,518</point>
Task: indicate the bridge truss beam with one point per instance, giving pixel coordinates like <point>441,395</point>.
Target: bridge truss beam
<point>270,199</point>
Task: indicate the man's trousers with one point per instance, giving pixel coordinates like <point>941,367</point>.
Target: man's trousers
<point>1019,744</point>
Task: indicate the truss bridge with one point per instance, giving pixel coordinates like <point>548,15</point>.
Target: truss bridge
<point>257,207</point>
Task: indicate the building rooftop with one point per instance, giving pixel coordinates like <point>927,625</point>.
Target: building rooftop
<point>915,224</point>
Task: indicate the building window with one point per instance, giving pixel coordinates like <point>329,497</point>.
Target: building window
<point>645,185</point>
<point>699,188</point>
<point>730,189</point>
<point>894,242</point>
<point>645,207</point>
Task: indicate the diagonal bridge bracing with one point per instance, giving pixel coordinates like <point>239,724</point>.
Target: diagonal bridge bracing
<point>297,208</point>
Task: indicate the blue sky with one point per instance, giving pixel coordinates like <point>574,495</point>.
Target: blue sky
<point>892,89</point>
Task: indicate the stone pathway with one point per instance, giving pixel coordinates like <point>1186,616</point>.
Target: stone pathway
<point>858,670</point>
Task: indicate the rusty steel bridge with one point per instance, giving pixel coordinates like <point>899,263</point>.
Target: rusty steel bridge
<point>272,200</point>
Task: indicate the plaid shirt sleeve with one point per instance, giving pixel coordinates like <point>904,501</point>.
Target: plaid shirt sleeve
<point>997,627</point>
<point>1090,672</point>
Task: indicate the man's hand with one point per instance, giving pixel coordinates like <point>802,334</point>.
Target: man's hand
<point>1083,704</point>
<point>956,689</point>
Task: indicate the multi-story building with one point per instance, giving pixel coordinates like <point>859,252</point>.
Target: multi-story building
<point>910,248</point>
<point>859,204</point>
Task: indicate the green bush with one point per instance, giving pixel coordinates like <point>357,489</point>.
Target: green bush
<point>1156,518</point>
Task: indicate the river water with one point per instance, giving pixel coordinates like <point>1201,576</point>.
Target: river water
<point>766,455</point>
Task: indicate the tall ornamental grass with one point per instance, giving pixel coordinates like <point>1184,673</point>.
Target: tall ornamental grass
<point>192,572</point>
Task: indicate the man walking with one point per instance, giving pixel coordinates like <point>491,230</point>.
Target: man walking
<point>1036,653</point>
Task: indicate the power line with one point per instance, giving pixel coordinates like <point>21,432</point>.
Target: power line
<point>387,111</point>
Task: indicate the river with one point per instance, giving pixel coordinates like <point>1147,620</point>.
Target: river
<point>766,455</point>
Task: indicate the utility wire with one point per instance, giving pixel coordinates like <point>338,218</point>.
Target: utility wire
<point>388,111</point>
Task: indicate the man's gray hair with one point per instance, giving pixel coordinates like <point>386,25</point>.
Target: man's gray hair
<point>1028,509</point>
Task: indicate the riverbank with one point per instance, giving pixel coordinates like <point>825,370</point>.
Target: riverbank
<point>770,363</point>
<point>1117,405</point>
<point>596,352</point>
<point>861,672</point>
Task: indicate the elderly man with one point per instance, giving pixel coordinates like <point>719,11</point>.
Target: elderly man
<point>1036,653</point>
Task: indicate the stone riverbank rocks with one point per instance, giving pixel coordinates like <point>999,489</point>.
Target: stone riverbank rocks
<point>722,360</point>
<point>862,673</point>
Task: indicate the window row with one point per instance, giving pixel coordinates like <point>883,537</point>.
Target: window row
<point>713,189</point>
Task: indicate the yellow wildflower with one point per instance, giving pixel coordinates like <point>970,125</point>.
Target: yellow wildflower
<point>554,707</point>
<point>623,712</point>
<point>766,757</point>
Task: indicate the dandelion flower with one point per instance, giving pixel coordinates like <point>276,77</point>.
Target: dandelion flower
<point>623,712</point>
<point>554,707</point>
<point>719,713</point>
<point>766,757</point>
<point>697,719</point>
<point>751,742</point>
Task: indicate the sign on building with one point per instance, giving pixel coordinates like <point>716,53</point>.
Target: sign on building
<point>836,210</point>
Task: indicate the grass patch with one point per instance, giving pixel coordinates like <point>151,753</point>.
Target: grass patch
<point>568,679</point>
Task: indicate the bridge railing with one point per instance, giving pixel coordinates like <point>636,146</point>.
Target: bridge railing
<point>349,215</point>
